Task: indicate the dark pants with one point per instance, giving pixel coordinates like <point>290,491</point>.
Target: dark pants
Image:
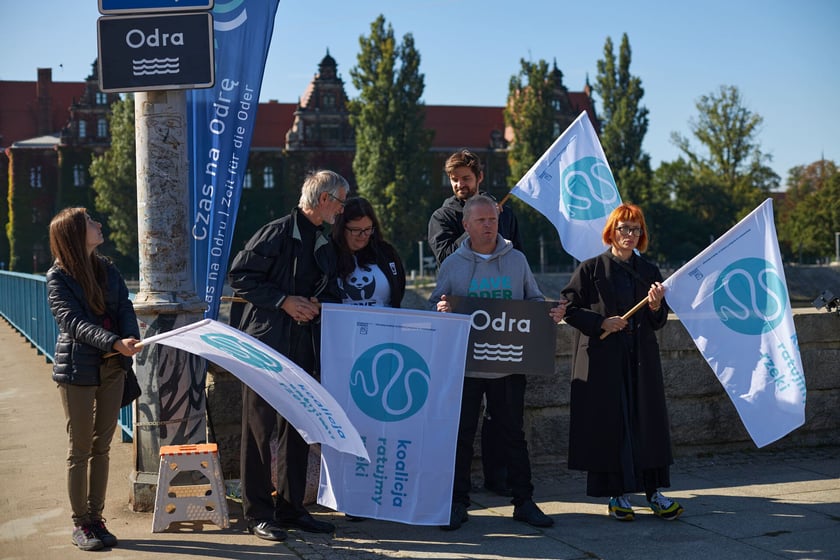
<point>492,456</point>
<point>506,405</point>
<point>259,421</point>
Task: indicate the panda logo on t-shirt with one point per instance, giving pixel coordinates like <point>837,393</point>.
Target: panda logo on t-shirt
<point>360,284</point>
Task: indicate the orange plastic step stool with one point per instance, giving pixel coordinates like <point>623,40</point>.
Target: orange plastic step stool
<point>190,502</point>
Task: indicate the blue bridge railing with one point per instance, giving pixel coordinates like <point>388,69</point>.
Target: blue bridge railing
<point>23,303</point>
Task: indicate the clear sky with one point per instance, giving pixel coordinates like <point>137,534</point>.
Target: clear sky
<point>782,54</point>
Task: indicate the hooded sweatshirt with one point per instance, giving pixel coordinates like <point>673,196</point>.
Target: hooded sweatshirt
<point>504,274</point>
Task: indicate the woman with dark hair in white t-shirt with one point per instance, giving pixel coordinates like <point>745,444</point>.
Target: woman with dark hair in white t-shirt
<point>370,272</point>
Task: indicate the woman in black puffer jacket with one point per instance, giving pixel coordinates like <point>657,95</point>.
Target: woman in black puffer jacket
<point>89,300</point>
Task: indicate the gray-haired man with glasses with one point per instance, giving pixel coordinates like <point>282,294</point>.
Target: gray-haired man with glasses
<point>285,270</point>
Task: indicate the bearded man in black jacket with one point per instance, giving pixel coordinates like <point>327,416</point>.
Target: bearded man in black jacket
<point>446,228</point>
<point>446,233</point>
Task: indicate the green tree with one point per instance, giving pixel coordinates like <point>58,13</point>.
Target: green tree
<point>531,115</point>
<point>624,124</point>
<point>810,213</point>
<point>728,132</point>
<point>391,141</point>
<point>691,218</point>
<point>115,182</point>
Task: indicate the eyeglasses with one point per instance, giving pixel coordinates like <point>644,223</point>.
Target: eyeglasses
<point>627,230</point>
<point>361,232</point>
<point>340,201</point>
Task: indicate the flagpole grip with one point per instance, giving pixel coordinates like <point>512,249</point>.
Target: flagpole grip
<point>111,354</point>
<point>502,203</point>
<point>627,315</point>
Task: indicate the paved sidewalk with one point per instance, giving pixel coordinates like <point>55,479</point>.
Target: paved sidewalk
<point>745,506</point>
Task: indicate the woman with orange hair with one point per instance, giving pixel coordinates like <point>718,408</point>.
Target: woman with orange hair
<point>619,430</point>
<point>89,300</point>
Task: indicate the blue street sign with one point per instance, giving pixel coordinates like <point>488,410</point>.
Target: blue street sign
<point>108,7</point>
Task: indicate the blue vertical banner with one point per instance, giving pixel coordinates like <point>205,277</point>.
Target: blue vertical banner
<point>222,120</point>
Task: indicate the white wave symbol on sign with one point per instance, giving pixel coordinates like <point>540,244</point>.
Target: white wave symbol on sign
<point>497,352</point>
<point>149,66</point>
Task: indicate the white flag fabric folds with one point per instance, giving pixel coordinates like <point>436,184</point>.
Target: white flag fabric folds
<point>572,185</point>
<point>733,300</point>
<point>284,385</point>
<point>399,374</point>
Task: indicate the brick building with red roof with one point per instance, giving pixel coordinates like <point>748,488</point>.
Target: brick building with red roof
<point>50,130</point>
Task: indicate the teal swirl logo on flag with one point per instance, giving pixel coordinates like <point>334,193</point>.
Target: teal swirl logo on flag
<point>242,351</point>
<point>222,21</point>
<point>390,382</point>
<point>750,297</point>
<point>588,189</point>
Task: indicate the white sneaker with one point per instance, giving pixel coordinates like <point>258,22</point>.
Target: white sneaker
<point>665,508</point>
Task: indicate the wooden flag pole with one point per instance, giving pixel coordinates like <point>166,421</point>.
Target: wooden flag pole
<point>627,315</point>
<point>502,203</point>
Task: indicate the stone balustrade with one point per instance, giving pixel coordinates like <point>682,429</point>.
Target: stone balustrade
<point>703,419</point>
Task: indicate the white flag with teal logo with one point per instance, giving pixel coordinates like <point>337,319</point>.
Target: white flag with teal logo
<point>572,185</point>
<point>293,393</point>
<point>399,374</point>
<point>732,299</point>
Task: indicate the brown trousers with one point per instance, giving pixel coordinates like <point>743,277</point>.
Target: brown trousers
<point>91,413</point>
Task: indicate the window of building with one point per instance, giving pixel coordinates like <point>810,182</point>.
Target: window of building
<point>35,177</point>
<point>556,129</point>
<point>246,181</point>
<point>79,175</point>
<point>555,104</point>
<point>101,98</point>
<point>102,128</point>
<point>329,132</point>
<point>499,179</point>
<point>82,129</point>
<point>329,100</point>
<point>268,177</point>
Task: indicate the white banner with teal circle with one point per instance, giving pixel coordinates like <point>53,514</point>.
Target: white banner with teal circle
<point>572,185</point>
<point>733,300</point>
<point>399,374</point>
<point>289,389</point>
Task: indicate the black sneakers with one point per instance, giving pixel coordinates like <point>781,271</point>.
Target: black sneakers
<point>102,533</point>
<point>307,523</point>
<point>266,529</point>
<point>458,517</point>
<point>86,539</point>
<point>529,513</point>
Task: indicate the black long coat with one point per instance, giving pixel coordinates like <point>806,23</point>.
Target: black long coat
<point>599,366</point>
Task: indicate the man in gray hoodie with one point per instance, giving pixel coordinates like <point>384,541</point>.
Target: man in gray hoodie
<point>487,265</point>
